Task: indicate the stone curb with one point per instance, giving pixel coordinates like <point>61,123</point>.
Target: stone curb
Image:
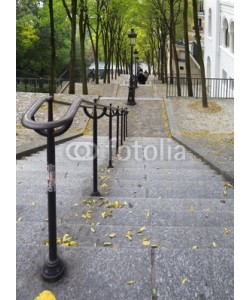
<point>28,151</point>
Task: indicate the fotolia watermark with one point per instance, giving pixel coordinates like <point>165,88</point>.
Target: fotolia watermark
<point>164,151</point>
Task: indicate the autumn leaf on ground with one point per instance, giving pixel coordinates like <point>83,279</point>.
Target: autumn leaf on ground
<point>195,247</point>
<point>213,245</point>
<point>185,281</point>
<point>104,178</point>
<point>141,229</point>
<point>115,204</point>
<point>226,230</point>
<point>129,235</point>
<point>228,185</point>
<point>107,244</point>
<point>146,242</point>
<point>46,295</point>
<point>87,216</point>
<point>106,214</point>
<point>104,185</point>
<point>191,207</point>
<point>147,213</point>
<point>131,282</point>
<point>65,241</point>
<point>112,235</point>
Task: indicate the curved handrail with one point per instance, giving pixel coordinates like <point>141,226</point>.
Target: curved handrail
<point>28,120</point>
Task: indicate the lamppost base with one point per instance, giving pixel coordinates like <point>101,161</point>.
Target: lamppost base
<point>131,96</point>
<point>53,271</point>
<point>131,102</point>
<point>95,193</point>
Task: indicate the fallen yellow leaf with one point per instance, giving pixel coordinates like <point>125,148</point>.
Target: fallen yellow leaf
<point>191,208</point>
<point>72,243</point>
<point>146,242</point>
<point>106,244</point>
<point>112,235</point>
<point>106,214</point>
<point>141,229</point>
<point>185,281</point>
<point>113,205</point>
<point>46,295</point>
<point>104,185</point>
<point>129,235</point>
<point>131,282</point>
<point>226,230</point>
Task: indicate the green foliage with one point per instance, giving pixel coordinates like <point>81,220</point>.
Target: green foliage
<point>33,36</point>
<point>117,17</point>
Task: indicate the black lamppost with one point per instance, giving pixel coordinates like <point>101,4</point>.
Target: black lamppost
<point>131,92</point>
<point>136,68</point>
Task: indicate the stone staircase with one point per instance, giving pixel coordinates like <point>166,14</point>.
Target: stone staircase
<point>162,229</point>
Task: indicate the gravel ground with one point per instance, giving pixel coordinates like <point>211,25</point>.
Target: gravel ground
<point>192,118</point>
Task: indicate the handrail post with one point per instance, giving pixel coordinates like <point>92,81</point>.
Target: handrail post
<point>124,124</point>
<point>110,136</point>
<point>95,154</point>
<point>54,267</point>
<point>117,130</point>
<point>122,127</point>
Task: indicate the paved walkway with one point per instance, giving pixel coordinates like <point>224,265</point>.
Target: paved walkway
<point>185,208</point>
<point>207,132</point>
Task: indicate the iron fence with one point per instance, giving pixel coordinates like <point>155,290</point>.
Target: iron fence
<point>215,87</point>
<point>37,85</point>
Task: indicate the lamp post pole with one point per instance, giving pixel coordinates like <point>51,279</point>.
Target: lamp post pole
<point>136,58</point>
<point>131,92</point>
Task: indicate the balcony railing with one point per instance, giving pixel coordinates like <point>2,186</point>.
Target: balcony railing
<point>216,87</point>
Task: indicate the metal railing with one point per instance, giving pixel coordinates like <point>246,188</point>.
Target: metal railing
<point>216,87</point>
<point>53,268</point>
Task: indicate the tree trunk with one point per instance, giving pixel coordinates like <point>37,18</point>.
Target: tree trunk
<point>173,38</point>
<point>82,32</point>
<point>73,48</point>
<point>200,56</point>
<point>171,60</point>
<point>187,54</point>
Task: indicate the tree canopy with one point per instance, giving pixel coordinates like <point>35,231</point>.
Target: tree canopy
<point>107,23</point>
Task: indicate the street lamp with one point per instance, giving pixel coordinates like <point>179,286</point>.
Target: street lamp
<point>131,92</point>
<point>136,67</point>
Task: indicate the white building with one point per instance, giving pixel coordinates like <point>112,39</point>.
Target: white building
<point>219,39</point>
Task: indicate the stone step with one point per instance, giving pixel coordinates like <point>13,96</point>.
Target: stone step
<point>128,215</point>
<point>36,233</point>
<point>186,204</point>
<point>105,273</point>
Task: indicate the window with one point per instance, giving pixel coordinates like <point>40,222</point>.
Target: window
<point>226,37</point>
<point>232,37</point>
<point>209,22</point>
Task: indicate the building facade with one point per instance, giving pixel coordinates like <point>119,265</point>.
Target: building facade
<point>219,39</point>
